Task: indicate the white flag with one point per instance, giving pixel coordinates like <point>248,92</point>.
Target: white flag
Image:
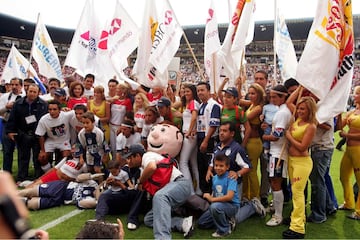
<point>284,49</point>
<point>211,47</point>
<point>244,33</point>
<point>84,45</point>
<point>167,39</point>
<point>18,66</point>
<point>145,72</point>
<point>327,64</point>
<point>123,38</point>
<point>224,54</point>
<point>44,52</point>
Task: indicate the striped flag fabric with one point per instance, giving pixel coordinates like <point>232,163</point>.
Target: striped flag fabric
<point>44,52</point>
<point>284,48</point>
<point>326,66</point>
<point>18,66</point>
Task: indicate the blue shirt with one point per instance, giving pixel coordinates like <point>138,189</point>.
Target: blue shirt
<point>222,184</point>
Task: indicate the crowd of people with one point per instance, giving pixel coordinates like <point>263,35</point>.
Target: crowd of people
<point>98,150</point>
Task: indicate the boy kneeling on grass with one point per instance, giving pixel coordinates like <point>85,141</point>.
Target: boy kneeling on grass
<point>224,200</point>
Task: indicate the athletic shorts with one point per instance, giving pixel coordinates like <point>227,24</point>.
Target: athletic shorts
<point>50,176</point>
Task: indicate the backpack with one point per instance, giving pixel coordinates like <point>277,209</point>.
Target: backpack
<point>161,176</point>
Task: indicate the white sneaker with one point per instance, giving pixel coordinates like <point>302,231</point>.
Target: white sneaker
<point>232,222</point>
<point>187,226</point>
<point>218,235</point>
<point>259,208</point>
<point>131,226</point>
<point>274,221</point>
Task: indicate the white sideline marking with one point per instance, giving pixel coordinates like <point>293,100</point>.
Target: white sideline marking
<point>61,219</point>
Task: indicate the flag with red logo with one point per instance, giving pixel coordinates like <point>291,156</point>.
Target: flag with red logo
<point>327,64</point>
<point>229,52</point>
<point>211,47</point>
<point>84,45</point>
<point>167,39</point>
<point>44,52</point>
<point>144,71</point>
<point>123,38</point>
<point>244,34</point>
<point>284,48</point>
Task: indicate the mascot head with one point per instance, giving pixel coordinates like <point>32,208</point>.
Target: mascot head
<point>165,139</point>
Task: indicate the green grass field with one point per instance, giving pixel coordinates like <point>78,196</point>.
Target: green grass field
<point>336,227</point>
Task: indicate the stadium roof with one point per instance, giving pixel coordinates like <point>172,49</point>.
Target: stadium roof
<point>298,29</point>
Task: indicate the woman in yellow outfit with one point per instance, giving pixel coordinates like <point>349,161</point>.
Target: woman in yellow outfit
<point>101,108</point>
<point>350,162</point>
<point>251,186</point>
<point>299,136</point>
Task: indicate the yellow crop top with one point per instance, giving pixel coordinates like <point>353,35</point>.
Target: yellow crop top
<point>298,131</point>
<point>353,120</point>
<point>254,121</point>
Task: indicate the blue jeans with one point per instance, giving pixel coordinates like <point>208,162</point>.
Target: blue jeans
<point>218,216</point>
<point>320,198</point>
<point>245,211</point>
<point>171,196</point>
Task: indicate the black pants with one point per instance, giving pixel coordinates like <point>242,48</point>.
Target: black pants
<point>203,160</point>
<point>28,144</point>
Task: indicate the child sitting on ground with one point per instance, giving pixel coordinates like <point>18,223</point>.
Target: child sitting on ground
<point>224,200</point>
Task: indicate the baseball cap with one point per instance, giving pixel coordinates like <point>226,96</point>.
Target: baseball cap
<point>134,149</point>
<point>232,91</point>
<point>60,92</point>
<point>163,101</point>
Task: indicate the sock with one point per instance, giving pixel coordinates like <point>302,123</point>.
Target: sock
<point>278,201</point>
<point>46,167</point>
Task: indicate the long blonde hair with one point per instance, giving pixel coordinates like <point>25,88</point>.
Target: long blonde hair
<point>311,106</point>
<point>260,93</point>
<point>145,101</point>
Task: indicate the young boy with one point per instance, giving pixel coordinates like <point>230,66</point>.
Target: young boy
<point>91,141</point>
<point>224,200</point>
<point>118,178</point>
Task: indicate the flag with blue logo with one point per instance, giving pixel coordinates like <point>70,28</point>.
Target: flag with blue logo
<point>44,52</point>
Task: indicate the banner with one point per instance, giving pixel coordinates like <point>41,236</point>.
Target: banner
<point>211,47</point>
<point>284,49</point>
<point>166,40</point>
<point>44,52</point>
<point>145,72</point>
<point>327,64</point>
<point>18,66</point>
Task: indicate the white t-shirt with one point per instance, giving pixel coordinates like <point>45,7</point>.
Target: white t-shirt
<point>281,120</point>
<point>122,142</point>
<point>187,114</point>
<point>139,117</point>
<point>69,167</point>
<point>57,129</point>
<point>123,176</point>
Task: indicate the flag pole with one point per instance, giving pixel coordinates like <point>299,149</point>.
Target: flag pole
<point>193,55</point>
<point>33,45</point>
<point>274,41</point>
<point>214,72</point>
